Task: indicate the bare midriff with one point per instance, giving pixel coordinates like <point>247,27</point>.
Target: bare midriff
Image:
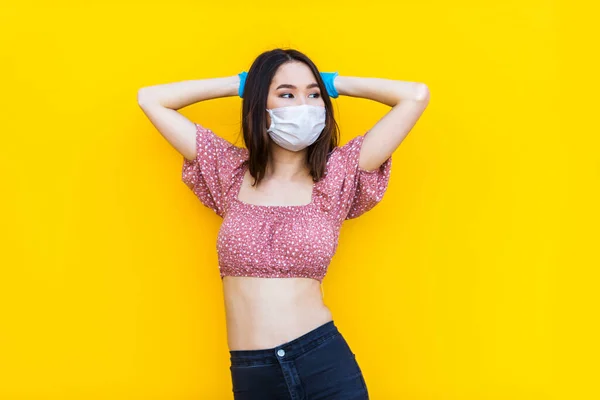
<point>262,313</point>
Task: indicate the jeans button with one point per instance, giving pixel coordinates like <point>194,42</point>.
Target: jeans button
<point>280,352</point>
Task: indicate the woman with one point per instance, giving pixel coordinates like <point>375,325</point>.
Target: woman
<point>283,199</point>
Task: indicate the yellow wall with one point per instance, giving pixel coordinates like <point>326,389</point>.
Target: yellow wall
<point>473,279</point>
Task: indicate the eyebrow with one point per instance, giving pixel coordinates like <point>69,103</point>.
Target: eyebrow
<point>288,86</point>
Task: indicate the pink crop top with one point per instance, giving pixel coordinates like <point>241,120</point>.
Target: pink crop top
<point>280,241</point>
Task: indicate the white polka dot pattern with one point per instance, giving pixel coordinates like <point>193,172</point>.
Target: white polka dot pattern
<point>280,241</point>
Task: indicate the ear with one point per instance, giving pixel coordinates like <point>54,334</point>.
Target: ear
<point>267,120</point>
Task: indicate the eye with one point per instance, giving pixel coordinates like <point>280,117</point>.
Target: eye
<point>289,95</point>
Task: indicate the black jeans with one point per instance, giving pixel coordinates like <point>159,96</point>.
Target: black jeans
<point>317,365</point>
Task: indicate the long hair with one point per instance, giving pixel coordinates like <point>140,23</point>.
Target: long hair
<point>254,115</point>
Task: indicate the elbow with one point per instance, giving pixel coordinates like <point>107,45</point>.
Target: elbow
<point>143,97</point>
<point>422,93</point>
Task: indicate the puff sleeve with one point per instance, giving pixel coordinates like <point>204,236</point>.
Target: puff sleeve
<point>361,189</point>
<point>210,174</point>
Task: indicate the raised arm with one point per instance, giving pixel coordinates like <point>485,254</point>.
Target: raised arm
<point>161,102</point>
<point>408,101</point>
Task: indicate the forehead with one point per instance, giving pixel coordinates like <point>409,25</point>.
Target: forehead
<point>293,73</point>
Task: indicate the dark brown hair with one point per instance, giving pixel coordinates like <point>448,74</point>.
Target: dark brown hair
<point>254,114</point>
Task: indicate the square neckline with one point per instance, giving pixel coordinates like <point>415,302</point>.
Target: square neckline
<point>264,206</point>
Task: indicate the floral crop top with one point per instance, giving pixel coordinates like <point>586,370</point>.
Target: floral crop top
<point>280,241</point>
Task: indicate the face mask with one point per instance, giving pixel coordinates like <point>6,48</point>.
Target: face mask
<point>296,127</point>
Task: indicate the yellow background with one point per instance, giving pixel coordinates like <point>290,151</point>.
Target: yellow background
<point>475,278</point>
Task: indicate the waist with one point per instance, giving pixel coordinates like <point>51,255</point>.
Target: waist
<point>265,312</point>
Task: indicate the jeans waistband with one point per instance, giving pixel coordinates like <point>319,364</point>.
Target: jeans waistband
<point>289,350</point>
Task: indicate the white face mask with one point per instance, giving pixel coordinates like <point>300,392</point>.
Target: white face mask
<point>296,127</point>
